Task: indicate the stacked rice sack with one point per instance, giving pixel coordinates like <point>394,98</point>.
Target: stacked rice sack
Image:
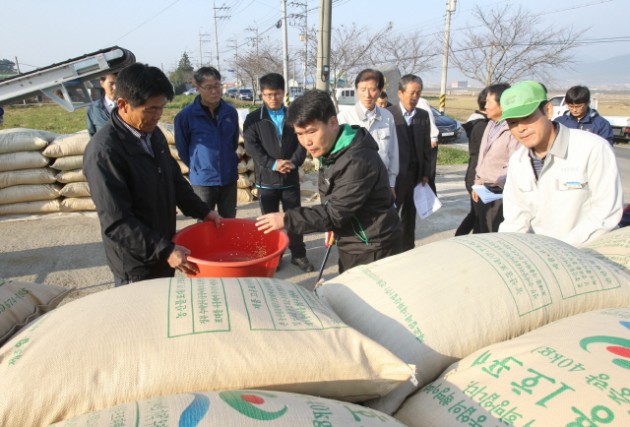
<point>439,303</point>
<point>66,155</point>
<point>573,372</point>
<point>27,184</point>
<point>173,336</point>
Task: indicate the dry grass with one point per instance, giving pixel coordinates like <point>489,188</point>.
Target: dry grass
<point>461,106</point>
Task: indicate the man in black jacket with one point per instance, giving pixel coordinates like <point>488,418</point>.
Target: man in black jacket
<point>277,155</point>
<point>136,184</point>
<point>357,202</point>
<point>413,128</point>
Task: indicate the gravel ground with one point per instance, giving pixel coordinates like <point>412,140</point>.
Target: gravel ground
<point>66,249</point>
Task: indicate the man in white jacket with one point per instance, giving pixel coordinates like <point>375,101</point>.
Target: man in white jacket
<point>378,121</point>
<point>561,182</point>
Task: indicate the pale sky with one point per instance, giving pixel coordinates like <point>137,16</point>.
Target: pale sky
<point>42,32</point>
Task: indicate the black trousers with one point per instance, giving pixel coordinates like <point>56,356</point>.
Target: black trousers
<point>347,261</point>
<point>270,200</point>
<point>407,208</point>
<point>488,216</point>
<point>221,198</point>
<point>469,223</point>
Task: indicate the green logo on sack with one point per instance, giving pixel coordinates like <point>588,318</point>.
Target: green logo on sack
<point>248,404</point>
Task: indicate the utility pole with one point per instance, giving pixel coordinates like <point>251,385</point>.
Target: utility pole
<point>203,38</point>
<point>216,30</point>
<point>304,36</point>
<point>255,40</point>
<point>450,8</point>
<point>323,45</point>
<point>285,52</point>
<point>234,45</point>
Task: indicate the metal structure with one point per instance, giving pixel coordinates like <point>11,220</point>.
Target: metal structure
<point>450,9</point>
<point>67,83</point>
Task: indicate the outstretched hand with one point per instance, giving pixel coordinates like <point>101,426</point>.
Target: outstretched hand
<point>270,222</point>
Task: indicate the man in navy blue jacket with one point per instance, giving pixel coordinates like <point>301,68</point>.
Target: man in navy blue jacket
<point>581,116</point>
<point>206,136</point>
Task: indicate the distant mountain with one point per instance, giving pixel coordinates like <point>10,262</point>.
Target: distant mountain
<point>611,73</point>
<point>608,74</point>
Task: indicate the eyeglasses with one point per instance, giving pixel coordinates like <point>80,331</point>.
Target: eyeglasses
<point>215,87</point>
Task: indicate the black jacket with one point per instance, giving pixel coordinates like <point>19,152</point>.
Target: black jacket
<point>265,147</point>
<point>421,128</point>
<point>474,130</point>
<point>357,202</point>
<point>136,196</point>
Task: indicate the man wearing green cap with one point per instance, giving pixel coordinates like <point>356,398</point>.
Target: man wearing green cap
<point>561,182</point>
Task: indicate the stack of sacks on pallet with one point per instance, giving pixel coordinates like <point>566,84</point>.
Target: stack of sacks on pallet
<point>574,372</point>
<point>66,154</point>
<point>22,302</point>
<point>168,130</point>
<point>236,408</point>
<point>27,184</point>
<point>169,336</point>
<point>438,303</point>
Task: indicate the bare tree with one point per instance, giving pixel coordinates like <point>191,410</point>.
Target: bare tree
<point>413,53</point>
<point>355,48</point>
<point>260,58</point>
<point>506,45</point>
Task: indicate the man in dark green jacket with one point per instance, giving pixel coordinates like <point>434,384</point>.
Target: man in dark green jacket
<point>357,203</point>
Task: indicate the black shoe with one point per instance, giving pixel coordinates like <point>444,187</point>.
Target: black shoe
<point>303,263</point>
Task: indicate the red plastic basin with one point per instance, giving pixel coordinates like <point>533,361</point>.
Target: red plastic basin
<point>235,249</point>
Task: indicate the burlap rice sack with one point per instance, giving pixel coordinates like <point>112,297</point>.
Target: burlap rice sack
<point>22,160</point>
<point>169,336</point>
<point>75,189</point>
<point>574,372</point>
<point>67,145</point>
<point>28,193</point>
<point>68,163</point>
<point>168,129</point>
<point>440,302</point>
<point>21,302</point>
<point>614,246</point>
<point>27,176</point>
<point>235,408</point>
<point>37,207</point>
<point>20,139</point>
<point>77,204</point>
<point>74,175</point>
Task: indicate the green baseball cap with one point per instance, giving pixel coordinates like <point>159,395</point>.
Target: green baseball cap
<point>522,99</point>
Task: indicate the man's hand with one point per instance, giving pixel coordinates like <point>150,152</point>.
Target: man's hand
<point>425,180</point>
<point>270,222</point>
<point>214,216</point>
<point>284,166</point>
<point>474,196</point>
<point>434,143</point>
<point>177,260</point>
